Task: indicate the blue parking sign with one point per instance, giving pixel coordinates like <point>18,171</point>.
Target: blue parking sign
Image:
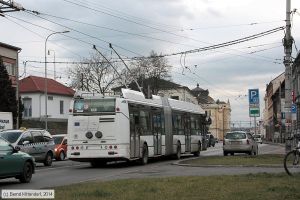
<point>294,108</point>
<point>253,96</point>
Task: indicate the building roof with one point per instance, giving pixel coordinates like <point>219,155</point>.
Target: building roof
<point>35,84</point>
<point>9,46</point>
<point>198,89</point>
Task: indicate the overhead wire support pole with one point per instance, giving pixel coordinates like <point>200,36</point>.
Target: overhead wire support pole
<point>287,43</point>
<point>94,47</point>
<point>110,46</point>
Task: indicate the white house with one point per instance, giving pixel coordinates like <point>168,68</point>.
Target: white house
<point>32,92</point>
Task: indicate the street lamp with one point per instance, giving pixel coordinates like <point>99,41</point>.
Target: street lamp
<point>46,87</point>
<point>49,50</point>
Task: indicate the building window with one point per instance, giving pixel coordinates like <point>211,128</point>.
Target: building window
<point>50,98</point>
<point>27,107</point>
<point>61,107</point>
<point>11,69</point>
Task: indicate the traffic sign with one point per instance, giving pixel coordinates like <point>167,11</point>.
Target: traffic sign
<point>294,108</point>
<point>254,112</point>
<point>253,96</point>
<point>254,108</point>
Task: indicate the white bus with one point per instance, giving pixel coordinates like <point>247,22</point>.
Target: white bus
<point>131,127</point>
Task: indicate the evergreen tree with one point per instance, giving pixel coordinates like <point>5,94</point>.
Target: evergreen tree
<point>8,102</point>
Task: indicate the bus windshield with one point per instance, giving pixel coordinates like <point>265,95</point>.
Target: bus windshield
<point>90,106</point>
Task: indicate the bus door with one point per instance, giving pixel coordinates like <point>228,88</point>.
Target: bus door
<point>134,134</point>
<point>157,131</point>
<point>187,133</point>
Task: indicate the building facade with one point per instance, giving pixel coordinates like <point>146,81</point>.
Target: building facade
<point>218,111</point>
<point>10,56</point>
<point>273,117</point>
<point>32,91</point>
<point>220,114</point>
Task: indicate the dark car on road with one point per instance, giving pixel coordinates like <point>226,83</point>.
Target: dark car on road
<point>14,163</point>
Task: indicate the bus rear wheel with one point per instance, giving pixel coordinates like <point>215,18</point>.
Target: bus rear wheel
<point>145,155</point>
<point>178,151</point>
<point>197,153</point>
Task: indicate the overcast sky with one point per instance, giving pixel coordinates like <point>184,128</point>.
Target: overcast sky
<point>135,27</point>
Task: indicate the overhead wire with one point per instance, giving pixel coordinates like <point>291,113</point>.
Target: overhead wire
<point>91,36</point>
<point>122,13</point>
<point>35,12</point>
<point>42,36</point>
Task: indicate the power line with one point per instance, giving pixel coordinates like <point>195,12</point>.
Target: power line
<point>115,30</point>
<point>225,44</point>
<point>84,34</point>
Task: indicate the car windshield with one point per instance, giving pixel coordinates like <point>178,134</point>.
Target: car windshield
<point>235,135</point>
<point>58,139</point>
<point>11,136</point>
<point>256,136</point>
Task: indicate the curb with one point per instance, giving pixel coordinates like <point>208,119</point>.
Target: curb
<point>178,163</point>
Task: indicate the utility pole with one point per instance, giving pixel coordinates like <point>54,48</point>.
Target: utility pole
<point>287,43</point>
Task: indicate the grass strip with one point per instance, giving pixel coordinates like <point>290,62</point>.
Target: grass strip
<point>242,187</point>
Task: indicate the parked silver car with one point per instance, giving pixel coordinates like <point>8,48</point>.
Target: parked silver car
<point>37,143</point>
<point>239,142</point>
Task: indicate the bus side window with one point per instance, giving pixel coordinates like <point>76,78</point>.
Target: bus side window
<point>136,120</point>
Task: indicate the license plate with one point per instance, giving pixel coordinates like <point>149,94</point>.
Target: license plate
<point>235,142</point>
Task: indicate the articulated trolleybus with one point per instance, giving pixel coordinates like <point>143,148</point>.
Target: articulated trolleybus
<point>131,127</point>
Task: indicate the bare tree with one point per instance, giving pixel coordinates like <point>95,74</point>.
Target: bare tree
<point>148,71</point>
<point>94,75</point>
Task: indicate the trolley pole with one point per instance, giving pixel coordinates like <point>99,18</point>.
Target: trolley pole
<point>287,43</point>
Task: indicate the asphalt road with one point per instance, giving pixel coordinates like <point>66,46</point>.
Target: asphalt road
<point>69,172</point>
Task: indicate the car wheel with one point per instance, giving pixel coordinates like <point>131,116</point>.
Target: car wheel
<point>62,155</point>
<point>232,154</point>
<point>256,152</point>
<point>48,159</point>
<point>225,153</point>
<point>250,153</point>
<point>26,175</point>
<point>145,155</point>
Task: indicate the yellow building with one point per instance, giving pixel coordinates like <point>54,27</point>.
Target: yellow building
<point>218,111</point>
<point>220,114</point>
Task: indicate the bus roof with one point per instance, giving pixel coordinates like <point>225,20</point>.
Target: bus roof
<point>138,97</point>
